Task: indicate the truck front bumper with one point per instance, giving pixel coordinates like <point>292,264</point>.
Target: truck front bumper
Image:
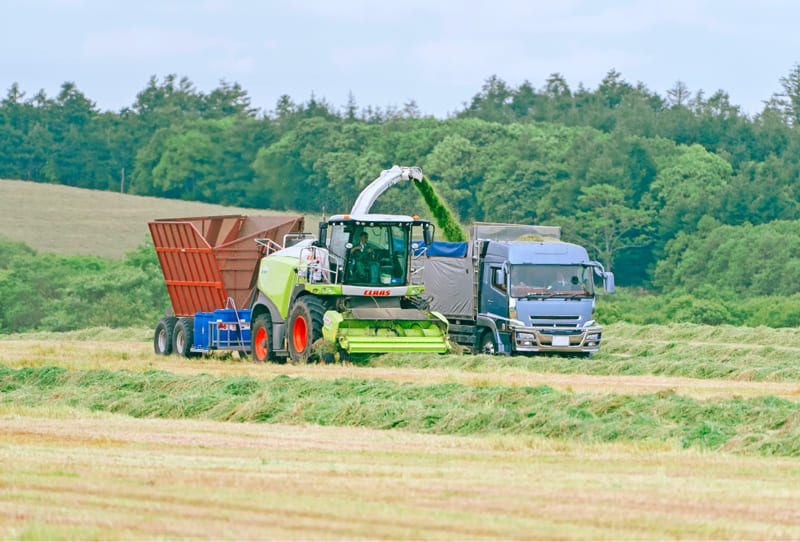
<point>548,339</point>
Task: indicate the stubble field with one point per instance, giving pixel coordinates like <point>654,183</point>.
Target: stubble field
<point>671,432</point>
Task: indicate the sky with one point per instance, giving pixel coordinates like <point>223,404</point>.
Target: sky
<point>437,53</point>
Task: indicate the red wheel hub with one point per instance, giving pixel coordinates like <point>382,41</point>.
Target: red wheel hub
<point>300,334</point>
<point>262,346</point>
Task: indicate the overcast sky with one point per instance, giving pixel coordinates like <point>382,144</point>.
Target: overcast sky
<point>387,53</point>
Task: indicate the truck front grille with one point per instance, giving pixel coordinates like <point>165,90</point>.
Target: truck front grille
<point>556,321</point>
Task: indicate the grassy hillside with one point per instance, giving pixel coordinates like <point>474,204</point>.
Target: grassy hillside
<point>67,220</point>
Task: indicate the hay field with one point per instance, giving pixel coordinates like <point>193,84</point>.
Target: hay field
<point>100,439</point>
<point>671,432</point>
<point>67,220</point>
<point>71,475</point>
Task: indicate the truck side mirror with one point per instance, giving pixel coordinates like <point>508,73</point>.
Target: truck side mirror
<point>499,278</point>
<point>608,282</point>
<point>427,234</point>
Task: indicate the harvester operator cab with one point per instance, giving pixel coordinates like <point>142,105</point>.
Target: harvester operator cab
<point>371,251</point>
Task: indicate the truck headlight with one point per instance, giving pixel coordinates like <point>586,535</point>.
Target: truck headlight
<point>593,337</point>
<point>526,336</point>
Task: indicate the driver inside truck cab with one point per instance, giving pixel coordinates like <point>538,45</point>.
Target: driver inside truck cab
<point>573,284</point>
<point>560,283</point>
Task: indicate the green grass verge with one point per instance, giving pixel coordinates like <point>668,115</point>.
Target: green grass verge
<point>763,425</point>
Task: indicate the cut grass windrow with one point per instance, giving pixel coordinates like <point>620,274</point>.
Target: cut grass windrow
<point>137,356</point>
<point>764,425</point>
<point>676,350</point>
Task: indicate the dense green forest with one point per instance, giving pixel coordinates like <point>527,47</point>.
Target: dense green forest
<point>680,195</point>
<point>62,293</point>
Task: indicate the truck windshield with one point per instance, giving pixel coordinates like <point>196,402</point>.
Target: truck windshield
<point>551,280</point>
<point>378,255</point>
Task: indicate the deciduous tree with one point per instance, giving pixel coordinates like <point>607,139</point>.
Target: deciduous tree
<point>606,225</point>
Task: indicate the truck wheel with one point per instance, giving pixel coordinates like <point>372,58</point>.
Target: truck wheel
<point>487,345</point>
<point>305,327</point>
<point>261,339</point>
<point>183,338</point>
<point>162,338</point>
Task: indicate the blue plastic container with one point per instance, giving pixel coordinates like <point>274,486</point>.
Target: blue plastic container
<point>218,330</point>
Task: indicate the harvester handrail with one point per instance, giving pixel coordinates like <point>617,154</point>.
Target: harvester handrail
<point>313,261</point>
<point>269,244</point>
<point>300,236</point>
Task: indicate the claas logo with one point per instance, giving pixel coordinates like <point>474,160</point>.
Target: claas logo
<point>377,292</point>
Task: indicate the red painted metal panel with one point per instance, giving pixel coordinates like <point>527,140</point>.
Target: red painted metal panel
<point>205,260</point>
<point>238,258</point>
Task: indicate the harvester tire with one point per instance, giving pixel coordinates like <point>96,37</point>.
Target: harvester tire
<point>183,338</point>
<point>162,338</point>
<point>261,339</point>
<point>305,327</point>
<point>487,345</point>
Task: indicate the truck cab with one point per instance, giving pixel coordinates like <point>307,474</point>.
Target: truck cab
<point>540,296</point>
<point>515,288</point>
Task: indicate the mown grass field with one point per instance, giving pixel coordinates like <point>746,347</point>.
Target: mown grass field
<point>103,439</point>
<point>98,476</point>
<point>671,432</point>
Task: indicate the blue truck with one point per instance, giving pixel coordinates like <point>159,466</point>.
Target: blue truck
<point>514,289</point>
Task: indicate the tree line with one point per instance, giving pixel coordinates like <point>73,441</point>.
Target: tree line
<point>648,183</point>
